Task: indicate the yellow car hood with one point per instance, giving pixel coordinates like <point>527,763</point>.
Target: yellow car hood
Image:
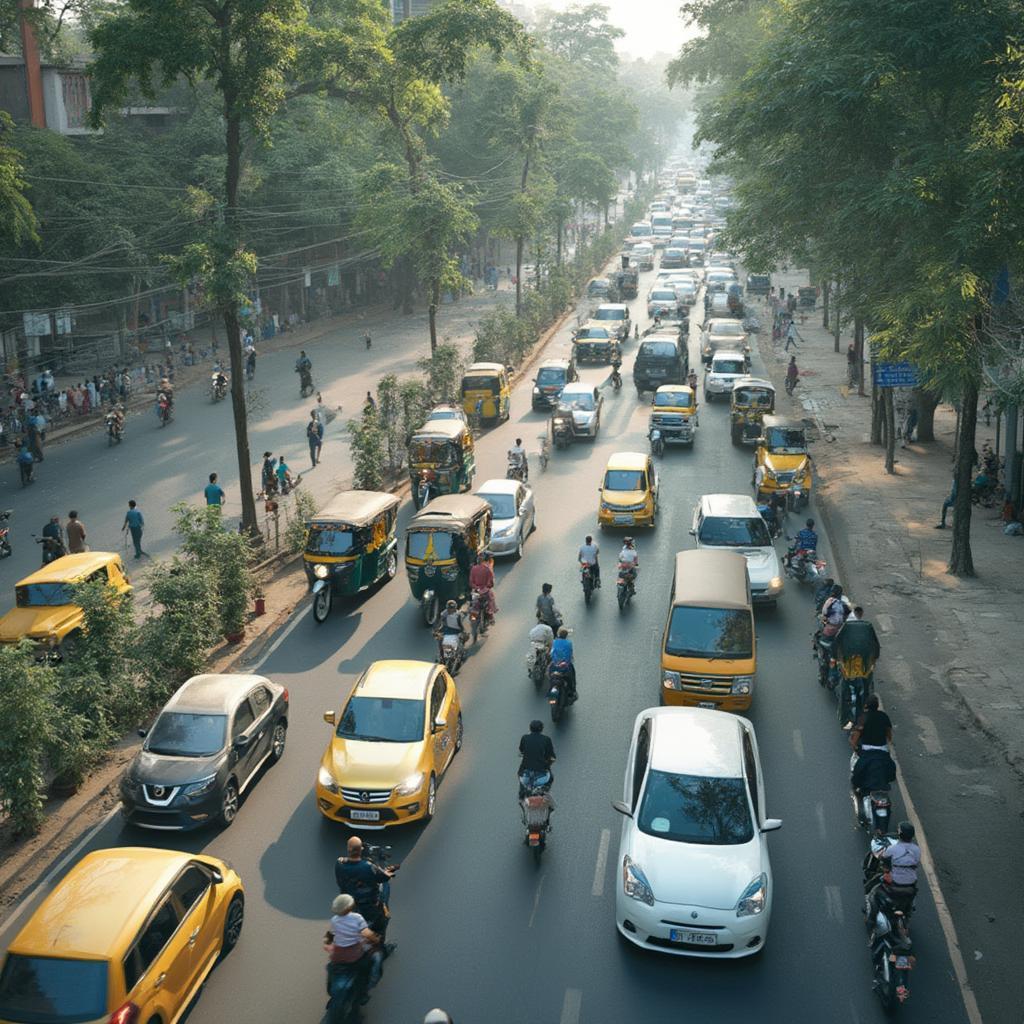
<point>621,499</point>
<point>37,623</point>
<point>372,765</point>
<point>784,463</point>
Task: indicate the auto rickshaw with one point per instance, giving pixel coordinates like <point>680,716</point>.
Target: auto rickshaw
<point>441,544</point>
<point>486,393</point>
<point>441,460</point>
<point>752,399</point>
<point>350,545</point>
<point>673,416</point>
<point>782,454</point>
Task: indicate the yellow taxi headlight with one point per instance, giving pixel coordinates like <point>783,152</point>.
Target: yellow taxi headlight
<point>410,784</point>
<point>326,780</point>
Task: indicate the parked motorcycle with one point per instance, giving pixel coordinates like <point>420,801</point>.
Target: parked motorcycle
<point>587,579</point>
<point>537,662</point>
<point>481,618</point>
<point>558,689</point>
<point>535,806</point>
<point>626,585</point>
<point>451,651</point>
<point>5,534</point>
<point>803,565</point>
<point>888,918</point>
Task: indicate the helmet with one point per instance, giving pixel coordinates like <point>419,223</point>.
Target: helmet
<point>906,831</point>
<point>810,524</point>
<point>536,725</point>
<point>437,1017</point>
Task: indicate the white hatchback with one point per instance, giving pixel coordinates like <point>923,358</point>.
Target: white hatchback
<point>693,874</point>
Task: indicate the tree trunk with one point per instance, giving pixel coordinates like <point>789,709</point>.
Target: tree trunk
<point>519,273</point>
<point>435,299</point>
<point>837,324</point>
<point>559,230</point>
<point>408,278</point>
<point>824,303</point>
<point>877,415</point>
<point>961,562</point>
<point>858,348</point>
<point>890,431</point>
<point>927,402</point>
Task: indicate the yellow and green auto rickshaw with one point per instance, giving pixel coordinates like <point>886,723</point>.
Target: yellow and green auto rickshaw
<point>350,545</point>
<point>752,400</point>
<point>441,460</point>
<point>785,462</point>
<point>441,544</point>
<point>486,393</point>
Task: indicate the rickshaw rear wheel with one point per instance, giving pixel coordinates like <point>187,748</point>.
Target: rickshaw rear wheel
<point>391,567</point>
<point>431,610</point>
<point>322,605</point>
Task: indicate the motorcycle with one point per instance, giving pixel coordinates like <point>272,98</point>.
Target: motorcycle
<point>163,409</point>
<point>626,585</point>
<point>52,548</point>
<point>872,773</point>
<point>218,387</point>
<point>802,565</point>
<point>558,689</point>
<point>537,662</point>
<point>5,534</point>
<point>426,491</point>
<point>561,430</point>
<point>588,581</point>
<point>451,652</point>
<point>545,451</point>
<point>616,378</point>
<point>657,443</point>
<point>481,618</point>
<point>516,468</point>
<point>115,429</point>
<point>305,382</point>
<point>887,915</point>
<point>535,806</point>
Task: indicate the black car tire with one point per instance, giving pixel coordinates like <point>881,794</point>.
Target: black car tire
<point>518,553</point>
<point>233,921</point>
<point>431,798</point>
<point>458,733</point>
<point>229,804</point>
<point>278,739</point>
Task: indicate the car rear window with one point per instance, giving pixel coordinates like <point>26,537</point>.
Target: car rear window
<point>727,366</point>
<point>729,329</point>
<point>51,990</point>
<point>657,350</point>
<point>663,295</point>
<point>610,314</point>
<point>696,809</point>
<point>490,383</point>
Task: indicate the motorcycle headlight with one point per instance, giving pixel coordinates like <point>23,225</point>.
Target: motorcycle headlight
<point>200,787</point>
<point>741,685</point>
<point>753,898</point>
<point>326,780</point>
<point>410,784</point>
<point>672,680</point>
<point>320,571</point>
<point>635,884</point>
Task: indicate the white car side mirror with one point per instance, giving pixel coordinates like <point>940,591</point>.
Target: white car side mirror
<point>771,825</point>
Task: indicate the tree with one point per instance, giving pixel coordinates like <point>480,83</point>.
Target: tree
<point>369,450</point>
<point>246,48</point>
<point>17,219</point>
<point>581,35</point>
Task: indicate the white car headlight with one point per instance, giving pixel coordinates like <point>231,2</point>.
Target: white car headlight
<point>635,884</point>
<point>775,583</point>
<point>752,900</point>
<point>320,571</point>
<point>671,680</point>
<point>741,685</point>
<point>410,784</point>
<point>504,531</point>
<point>326,779</point>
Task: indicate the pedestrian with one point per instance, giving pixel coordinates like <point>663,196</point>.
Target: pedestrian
<point>75,531</point>
<point>62,402</point>
<point>314,437</point>
<point>133,523</point>
<point>213,492</point>
<point>25,461</point>
<point>367,339</point>
<point>851,364</point>
<point>947,505</point>
<point>909,426</point>
<point>369,403</point>
<point>268,477</point>
<point>791,336</point>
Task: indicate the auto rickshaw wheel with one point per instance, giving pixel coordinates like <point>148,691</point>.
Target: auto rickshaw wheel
<point>322,601</point>
<point>391,566</point>
<point>431,610</point>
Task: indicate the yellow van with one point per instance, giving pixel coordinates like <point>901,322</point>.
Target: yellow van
<point>128,935</point>
<point>486,393</point>
<point>629,491</point>
<point>708,653</point>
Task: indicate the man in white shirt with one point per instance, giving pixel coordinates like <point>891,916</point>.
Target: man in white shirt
<point>628,558</point>
<point>587,555</point>
<point>517,453</point>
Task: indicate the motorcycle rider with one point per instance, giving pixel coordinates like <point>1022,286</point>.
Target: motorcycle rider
<point>900,878</point>
<point>561,658</point>
<point>362,880</point>
<point>220,378</point>
<point>587,555</point>
<point>538,755</point>
<point>452,621</point>
<point>691,381</point>
<point>351,945</point>
<point>629,560</point>
<point>304,368</point>
<point>616,377</point>
<point>53,540</point>
<point>542,635</point>
<point>481,577</point>
<point>807,539</point>
<point>546,610</point>
<point>268,475</point>
<point>874,730</point>
<point>834,612</point>
<point>517,456</point>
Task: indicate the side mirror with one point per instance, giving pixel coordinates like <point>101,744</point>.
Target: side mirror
<point>216,876</point>
<point>440,724</point>
<point>242,743</point>
<point>771,825</point>
<point>143,733</point>
<point>693,533</point>
<point>329,717</point>
<point>622,808</point>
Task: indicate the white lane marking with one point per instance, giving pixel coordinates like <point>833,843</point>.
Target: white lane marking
<point>819,814</point>
<point>602,862</point>
<point>928,734</point>
<point>59,867</point>
<point>536,900</point>
<point>798,743</point>
<point>571,1006</point>
<point>833,904</point>
<point>285,633</point>
<point>898,672</point>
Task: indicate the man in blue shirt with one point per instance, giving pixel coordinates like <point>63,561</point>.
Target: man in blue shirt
<point>213,492</point>
<point>133,523</point>
<point>807,539</point>
<point>561,654</point>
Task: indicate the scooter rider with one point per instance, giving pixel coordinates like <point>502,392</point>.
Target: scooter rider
<point>561,658</point>
<point>362,880</point>
<point>588,555</point>
<point>538,755</point>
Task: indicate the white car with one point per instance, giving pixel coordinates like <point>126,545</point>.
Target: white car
<point>693,876</point>
<point>725,369</point>
<point>731,522</point>
<point>514,515</point>
<point>584,402</point>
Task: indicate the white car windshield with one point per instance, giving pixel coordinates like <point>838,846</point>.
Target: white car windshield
<point>695,809</point>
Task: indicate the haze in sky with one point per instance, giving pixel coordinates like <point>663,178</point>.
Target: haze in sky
<point>651,26</point>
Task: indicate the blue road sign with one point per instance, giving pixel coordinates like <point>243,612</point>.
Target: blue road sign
<point>896,375</point>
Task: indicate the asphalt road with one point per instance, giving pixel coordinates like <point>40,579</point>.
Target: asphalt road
<point>481,929</point>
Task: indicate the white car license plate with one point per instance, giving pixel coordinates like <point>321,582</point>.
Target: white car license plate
<point>707,704</point>
<point>364,815</point>
<point>623,519</point>
<point>693,938</point>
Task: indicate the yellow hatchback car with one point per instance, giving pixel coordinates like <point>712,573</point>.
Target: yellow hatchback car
<point>44,608</point>
<point>127,937</point>
<point>395,737</point>
<point>629,491</point>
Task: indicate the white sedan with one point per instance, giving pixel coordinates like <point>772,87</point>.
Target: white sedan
<point>693,876</point>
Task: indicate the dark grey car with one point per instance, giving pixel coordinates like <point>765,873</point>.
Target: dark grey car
<point>202,752</point>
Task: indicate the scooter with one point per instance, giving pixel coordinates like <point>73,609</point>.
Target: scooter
<point>535,806</point>
<point>5,534</point>
<point>887,916</point>
<point>872,773</point>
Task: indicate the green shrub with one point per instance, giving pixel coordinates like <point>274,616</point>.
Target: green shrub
<point>443,371</point>
<point>368,451</point>
<point>301,510</point>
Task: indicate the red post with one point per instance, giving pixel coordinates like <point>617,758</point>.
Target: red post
<point>33,70</point>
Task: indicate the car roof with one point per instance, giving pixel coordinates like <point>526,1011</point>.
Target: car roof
<point>620,306</point>
<point>69,568</point>
<point>725,353</point>
<point>448,509</point>
<point>717,321</point>
<point>561,364</point>
<point>728,505</point>
<point>577,387</point>
<point>402,680</point>
<point>708,577</point>
<point>790,422</point>
<point>498,485</point>
<point>627,460</point>
<point>94,912</point>
<point>484,368</point>
<point>214,691</point>
<point>695,741</point>
<point>356,508</point>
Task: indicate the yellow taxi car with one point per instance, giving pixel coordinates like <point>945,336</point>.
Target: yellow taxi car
<point>44,609</point>
<point>782,464</point>
<point>394,738</point>
<point>128,936</point>
<point>629,491</point>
